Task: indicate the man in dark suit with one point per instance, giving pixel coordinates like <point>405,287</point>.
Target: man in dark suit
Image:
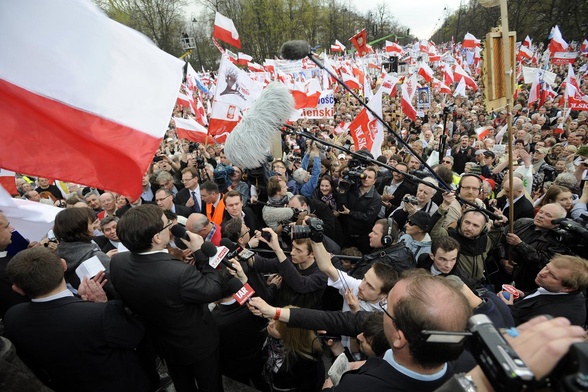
<point>109,241</point>
<point>8,297</point>
<point>171,297</point>
<point>523,208</point>
<point>165,200</point>
<point>69,343</point>
<point>234,209</point>
<point>393,191</point>
<point>190,195</point>
<point>561,283</point>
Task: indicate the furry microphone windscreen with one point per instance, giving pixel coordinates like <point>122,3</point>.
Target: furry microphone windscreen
<point>295,50</point>
<point>247,146</point>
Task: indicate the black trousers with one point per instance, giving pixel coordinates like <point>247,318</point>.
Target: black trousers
<point>203,375</point>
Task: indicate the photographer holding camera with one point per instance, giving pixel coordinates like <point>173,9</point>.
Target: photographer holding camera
<point>302,281</point>
<point>421,202</point>
<point>359,208</point>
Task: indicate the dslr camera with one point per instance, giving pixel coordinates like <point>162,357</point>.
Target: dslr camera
<point>314,230</point>
<point>410,199</point>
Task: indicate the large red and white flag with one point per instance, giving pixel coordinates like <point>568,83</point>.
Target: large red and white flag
<point>394,48</point>
<point>235,92</point>
<point>366,130</point>
<point>535,91</point>
<point>359,40</point>
<point>307,94</point>
<point>483,132</point>
<point>440,86</point>
<point>338,47</point>
<point>406,104</point>
<point>8,181</point>
<point>557,43</point>
<point>426,72</point>
<point>350,81</point>
<point>584,46</point>
<point>243,59</point>
<point>469,41</point>
<point>562,58</point>
<point>225,30</point>
<point>104,109</point>
<point>527,42</point>
<point>571,78</point>
<point>188,128</point>
<point>574,99</point>
<point>524,53</point>
<point>459,73</point>
<point>460,89</point>
<point>388,85</point>
<point>448,77</point>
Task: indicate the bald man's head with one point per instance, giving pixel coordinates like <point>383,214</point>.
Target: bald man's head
<point>518,187</point>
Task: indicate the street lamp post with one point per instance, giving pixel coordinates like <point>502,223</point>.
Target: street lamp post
<point>194,21</point>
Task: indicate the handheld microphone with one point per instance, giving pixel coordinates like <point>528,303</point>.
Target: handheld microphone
<point>203,254</point>
<point>248,144</point>
<point>180,232</point>
<point>242,292</point>
<point>219,255</point>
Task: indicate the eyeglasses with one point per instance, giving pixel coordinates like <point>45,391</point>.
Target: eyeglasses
<point>169,223</point>
<point>184,180</point>
<point>162,199</point>
<point>383,305</point>
<point>446,161</point>
<point>410,223</point>
<point>245,233</point>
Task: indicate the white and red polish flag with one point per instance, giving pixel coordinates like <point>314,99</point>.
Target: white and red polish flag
<point>406,104</point>
<point>244,59</point>
<point>235,92</point>
<point>189,128</point>
<point>459,73</point>
<point>97,115</point>
<point>426,72</point>
<point>527,42</point>
<point>225,30</point>
<point>557,43</point>
<point>366,130</point>
<point>535,90</point>
<point>469,41</point>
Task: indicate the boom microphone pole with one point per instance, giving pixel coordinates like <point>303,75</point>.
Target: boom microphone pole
<point>366,158</point>
<point>297,49</point>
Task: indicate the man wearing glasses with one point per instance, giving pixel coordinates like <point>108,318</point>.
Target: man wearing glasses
<point>165,200</point>
<point>190,195</point>
<point>417,302</point>
<point>171,297</point>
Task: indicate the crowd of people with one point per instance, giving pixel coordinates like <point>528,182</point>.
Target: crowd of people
<point>351,258</point>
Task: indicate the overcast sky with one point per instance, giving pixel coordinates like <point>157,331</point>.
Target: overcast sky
<point>421,16</point>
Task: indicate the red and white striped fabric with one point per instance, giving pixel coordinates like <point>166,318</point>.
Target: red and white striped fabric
<point>392,47</point>
<point>448,77</point>
<point>535,90</point>
<point>8,181</point>
<point>254,67</point>
<point>338,47</point>
<point>469,41</point>
<point>225,30</point>
<point>426,72</point>
<point>350,81</point>
<point>243,58</point>
<point>97,115</point>
<point>524,53</point>
<point>459,73</point>
<point>527,42</point>
<point>440,86</point>
<point>188,128</point>
<point>483,132</point>
<point>557,43</point>
<point>388,85</point>
<point>405,102</point>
